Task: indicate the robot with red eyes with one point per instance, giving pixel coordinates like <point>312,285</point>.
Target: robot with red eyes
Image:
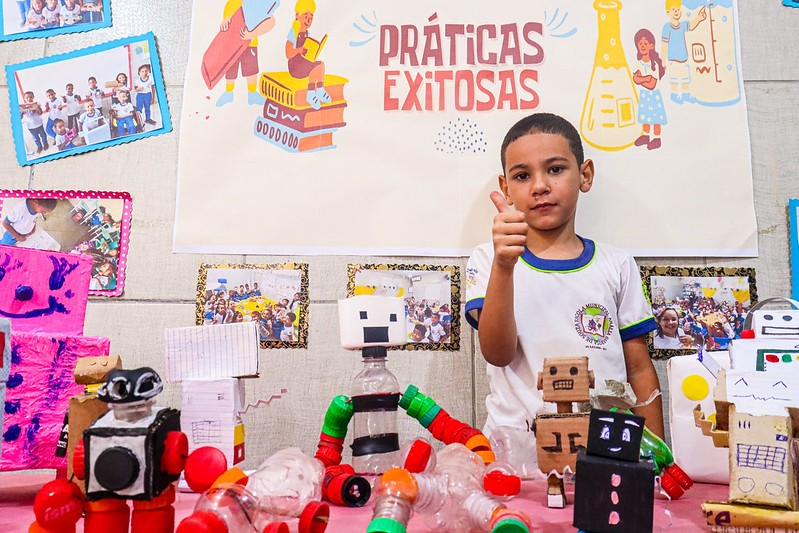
<point>564,380</point>
<point>135,451</point>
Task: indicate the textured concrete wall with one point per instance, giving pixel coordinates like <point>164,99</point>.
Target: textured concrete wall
<point>160,286</point>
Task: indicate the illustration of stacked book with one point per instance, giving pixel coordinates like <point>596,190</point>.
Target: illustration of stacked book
<point>290,122</point>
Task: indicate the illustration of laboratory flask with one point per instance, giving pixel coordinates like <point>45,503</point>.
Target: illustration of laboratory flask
<point>609,116</point>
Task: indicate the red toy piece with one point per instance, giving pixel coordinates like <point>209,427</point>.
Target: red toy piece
<point>58,506</point>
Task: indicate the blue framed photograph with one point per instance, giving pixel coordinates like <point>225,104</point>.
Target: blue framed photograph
<point>88,99</point>
<point>793,217</point>
<point>33,19</point>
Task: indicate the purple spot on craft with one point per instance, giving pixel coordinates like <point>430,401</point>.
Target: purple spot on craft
<point>61,269</point>
<point>14,380</point>
<point>2,273</point>
<point>23,293</point>
<point>15,358</point>
<point>69,293</point>
<point>33,428</point>
<point>12,407</point>
<point>12,433</point>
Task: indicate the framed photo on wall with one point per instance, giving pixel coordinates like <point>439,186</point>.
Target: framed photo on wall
<point>275,297</point>
<point>431,294</point>
<point>92,223</point>
<point>93,98</point>
<point>697,309</point>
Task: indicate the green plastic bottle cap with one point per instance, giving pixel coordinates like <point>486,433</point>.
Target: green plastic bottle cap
<point>385,525</point>
<point>408,396</point>
<point>337,417</point>
<point>510,525</point>
<point>428,417</point>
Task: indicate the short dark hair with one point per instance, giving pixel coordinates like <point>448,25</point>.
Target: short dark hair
<point>47,203</point>
<point>291,316</point>
<point>422,328</point>
<point>544,123</point>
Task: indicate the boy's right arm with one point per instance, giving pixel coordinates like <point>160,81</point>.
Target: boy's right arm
<point>497,326</point>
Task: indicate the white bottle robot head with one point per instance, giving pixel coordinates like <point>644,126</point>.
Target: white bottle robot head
<point>372,321</point>
<point>779,324</point>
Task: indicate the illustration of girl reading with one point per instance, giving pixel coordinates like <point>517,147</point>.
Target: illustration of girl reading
<point>302,51</point>
<point>651,113</point>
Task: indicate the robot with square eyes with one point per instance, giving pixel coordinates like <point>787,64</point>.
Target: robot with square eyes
<point>564,380</point>
<point>614,490</point>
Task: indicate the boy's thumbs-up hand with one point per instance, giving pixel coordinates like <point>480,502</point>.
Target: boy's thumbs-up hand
<point>509,232</point>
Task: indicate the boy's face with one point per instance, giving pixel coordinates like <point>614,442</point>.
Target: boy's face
<point>92,83</point>
<point>144,72</point>
<point>51,95</point>
<point>28,97</point>
<point>69,88</point>
<point>543,180</point>
<point>60,127</point>
<point>674,13</point>
<point>88,105</point>
<point>417,335</point>
<point>52,3</point>
<point>123,97</point>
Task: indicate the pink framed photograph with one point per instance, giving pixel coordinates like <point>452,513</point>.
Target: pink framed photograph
<point>92,223</point>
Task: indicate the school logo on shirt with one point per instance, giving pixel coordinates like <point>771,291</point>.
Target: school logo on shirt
<point>593,323</point>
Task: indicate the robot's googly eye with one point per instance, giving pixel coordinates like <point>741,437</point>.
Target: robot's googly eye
<point>148,385</point>
<point>118,389</point>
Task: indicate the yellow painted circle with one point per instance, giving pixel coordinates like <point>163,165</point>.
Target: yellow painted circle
<point>695,387</point>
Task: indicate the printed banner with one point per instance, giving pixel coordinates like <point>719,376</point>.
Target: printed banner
<point>368,127</point>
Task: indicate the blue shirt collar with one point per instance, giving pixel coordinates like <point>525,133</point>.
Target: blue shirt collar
<point>562,265</point>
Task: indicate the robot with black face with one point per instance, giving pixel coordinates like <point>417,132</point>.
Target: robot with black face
<point>135,451</point>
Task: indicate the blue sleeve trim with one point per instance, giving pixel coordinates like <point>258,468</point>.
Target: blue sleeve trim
<point>639,329</point>
<point>473,305</point>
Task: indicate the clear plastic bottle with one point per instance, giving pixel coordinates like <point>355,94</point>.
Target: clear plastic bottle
<point>375,398</point>
<point>395,494</point>
<point>287,482</point>
<point>229,508</point>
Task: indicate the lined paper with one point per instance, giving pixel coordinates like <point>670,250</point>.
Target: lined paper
<point>212,352</point>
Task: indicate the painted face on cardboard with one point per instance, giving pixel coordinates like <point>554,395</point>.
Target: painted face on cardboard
<point>565,379</point>
<point>762,392</point>
<point>776,324</point>
<point>615,434</point>
<point>543,180</point>
<point>43,291</point>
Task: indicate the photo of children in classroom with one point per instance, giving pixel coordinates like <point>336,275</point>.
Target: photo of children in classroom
<point>90,226</point>
<point>428,296</point>
<point>87,102</point>
<point>697,312</point>
<point>30,18</point>
<point>271,298</point>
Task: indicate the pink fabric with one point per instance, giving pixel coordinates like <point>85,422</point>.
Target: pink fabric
<point>18,490</point>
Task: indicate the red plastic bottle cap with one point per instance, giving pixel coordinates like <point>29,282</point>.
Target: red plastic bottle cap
<point>500,484</point>
<point>748,334</point>
<point>670,486</point>
<point>314,518</point>
<point>679,475</point>
<point>202,522</point>
<point>418,456</point>
<point>277,527</point>
<point>328,456</point>
<point>203,467</point>
<point>58,505</point>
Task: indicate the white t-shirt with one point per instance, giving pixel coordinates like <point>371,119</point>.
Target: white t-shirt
<point>435,332</point>
<point>287,333</point>
<point>143,86</point>
<point>96,94</point>
<point>50,16</point>
<point>54,109</point>
<point>70,16</point>
<point>123,110</point>
<point>32,119</point>
<point>35,20</point>
<point>21,218</point>
<point>585,306</point>
<point>667,343</point>
<point>73,104</point>
<point>89,122</point>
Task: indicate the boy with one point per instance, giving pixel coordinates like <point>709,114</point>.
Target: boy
<point>20,223</point>
<point>124,113</point>
<point>436,331</point>
<point>50,14</point>
<point>54,109</point>
<point>70,13</point>
<point>287,333</point>
<point>419,334</point>
<point>145,92</point>
<point>90,118</point>
<point>31,113</point>
<point>96,94</point>
<point>62,140</point>
<point>72,102</point>
<point>676,51</point>
<point>568,296</point>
